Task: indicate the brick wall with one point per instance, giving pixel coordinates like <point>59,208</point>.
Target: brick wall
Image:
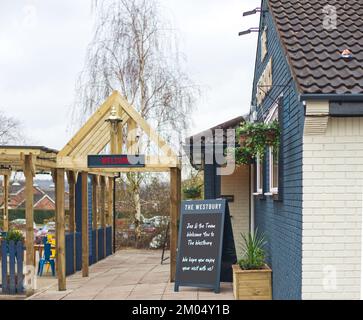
<point>237,185</point>
<point>332,210</point>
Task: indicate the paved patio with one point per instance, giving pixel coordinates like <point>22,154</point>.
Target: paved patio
<point>128,275</point>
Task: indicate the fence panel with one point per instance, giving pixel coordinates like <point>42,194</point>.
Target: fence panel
<point>12,267</point>
<point>4,266</point>
<point>101,244</point>
<point>108,241</point>
<point>12,258</point>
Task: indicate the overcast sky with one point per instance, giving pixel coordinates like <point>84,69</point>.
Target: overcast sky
<point>43,45</point>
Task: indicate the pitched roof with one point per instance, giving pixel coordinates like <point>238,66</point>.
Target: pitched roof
<point>314,52</point>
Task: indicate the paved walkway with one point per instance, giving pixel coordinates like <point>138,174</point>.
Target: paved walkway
<point>129,275</point>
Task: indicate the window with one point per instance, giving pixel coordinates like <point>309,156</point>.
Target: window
<point>274,155</point>
<point>274,170</point>
<point>259,176</point>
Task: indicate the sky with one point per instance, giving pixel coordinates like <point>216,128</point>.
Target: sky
<point>43,46</point>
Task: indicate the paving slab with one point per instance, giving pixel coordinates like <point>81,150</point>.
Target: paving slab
<point>127,275</point>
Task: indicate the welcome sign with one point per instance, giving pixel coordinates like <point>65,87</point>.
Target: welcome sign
<point>200,244</point>
<point>116,161</point>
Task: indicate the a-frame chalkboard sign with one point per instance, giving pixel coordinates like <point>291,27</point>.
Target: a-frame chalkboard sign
<point>206,249</point>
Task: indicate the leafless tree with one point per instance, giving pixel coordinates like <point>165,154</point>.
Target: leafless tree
<point>134,51</point>
<point>10,130</point>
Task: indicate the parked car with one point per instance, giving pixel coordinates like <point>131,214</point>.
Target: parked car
<point>148,227</point>
<point>158,221</point>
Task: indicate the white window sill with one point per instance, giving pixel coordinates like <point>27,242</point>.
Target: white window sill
<point>270,194</point>
<point>258,194</point>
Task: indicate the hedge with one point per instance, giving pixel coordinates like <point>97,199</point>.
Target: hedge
<point>39,215</point>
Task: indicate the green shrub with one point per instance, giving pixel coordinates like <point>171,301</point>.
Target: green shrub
<point>39,215</point>
<point>14,235</point>
<point>253,252</point>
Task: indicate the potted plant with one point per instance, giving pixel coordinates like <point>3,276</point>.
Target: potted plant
<point>252,276</point>
<point>192,192</point>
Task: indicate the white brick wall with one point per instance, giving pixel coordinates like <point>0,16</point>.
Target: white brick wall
<point>237,185</point>
<point>332,211</point>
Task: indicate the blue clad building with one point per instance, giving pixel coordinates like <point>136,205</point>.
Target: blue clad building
<point>307,198</point>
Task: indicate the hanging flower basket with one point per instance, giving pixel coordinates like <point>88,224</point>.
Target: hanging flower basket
<point>271,136</point>
<point>192,192</point>
<point>253,140</point>
<point>243,139</point>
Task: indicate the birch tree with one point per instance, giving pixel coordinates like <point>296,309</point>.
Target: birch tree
<point>134,50</point>
<point>10,130</point>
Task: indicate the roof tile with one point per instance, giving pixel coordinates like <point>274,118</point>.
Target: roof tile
<point>314,52</point>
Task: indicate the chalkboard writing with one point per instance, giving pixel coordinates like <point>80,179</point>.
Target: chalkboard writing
<point>200,244</point>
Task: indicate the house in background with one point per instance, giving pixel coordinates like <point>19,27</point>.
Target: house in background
<point>307,197</point>
<point>44,195</point>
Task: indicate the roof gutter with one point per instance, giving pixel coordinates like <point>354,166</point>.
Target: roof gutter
<point>332,97</point>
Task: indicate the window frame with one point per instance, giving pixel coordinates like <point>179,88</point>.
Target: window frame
<point>259,176</point>
<point>273,189</point>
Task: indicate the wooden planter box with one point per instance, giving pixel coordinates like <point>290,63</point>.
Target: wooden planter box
<point>252,284</point>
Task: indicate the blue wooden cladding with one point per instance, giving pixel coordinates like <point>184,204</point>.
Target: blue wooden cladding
<point>12,256</point>
<point>101,243</point>
<point>70,254</point>
<point>78,251</point>
<point>281,221</point>
<point>108,241</point>
<point>94,244</point>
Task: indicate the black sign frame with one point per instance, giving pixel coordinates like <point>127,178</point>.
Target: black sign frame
<point>215,284</point>
<point>116,161</point>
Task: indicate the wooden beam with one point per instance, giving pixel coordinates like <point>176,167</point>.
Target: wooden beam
<point>29,216</point>
<point>153,135</point>
<point>72,180</point>
<point>60,230</point>
<point>95,183</point>
<point>152,163</point>
<point>88,126</point>
<point>85,245</point>
<point>92,136</point>
<point>6,203</point>
<point>18,151</point>
<point>175,193</point>
<point>5,172</point>
<point>131,142</point>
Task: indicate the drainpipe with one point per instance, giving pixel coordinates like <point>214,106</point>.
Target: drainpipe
<point>252,201</point>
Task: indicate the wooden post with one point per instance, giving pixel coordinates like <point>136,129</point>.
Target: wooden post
<point>103,211</point>
<point>175,193</point>
<point>85,246</point>
<point>6,203</point>
<point>110,202</point>
<point>60,230</point>
<point>72,180</point>
<point>110,205</point>
<point>29,173</point>
<point>95,209</point>
<point>29,214</point>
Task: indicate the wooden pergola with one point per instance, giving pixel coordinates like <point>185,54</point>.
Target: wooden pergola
<point>116,127</point>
